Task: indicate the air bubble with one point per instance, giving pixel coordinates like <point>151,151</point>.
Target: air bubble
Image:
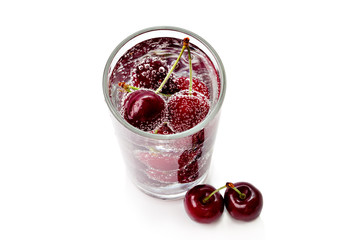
<point>161,69</point>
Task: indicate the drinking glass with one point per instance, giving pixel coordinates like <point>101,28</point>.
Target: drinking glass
<point>166,166</point>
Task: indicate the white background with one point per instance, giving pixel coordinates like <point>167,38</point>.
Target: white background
<point>289,124</point>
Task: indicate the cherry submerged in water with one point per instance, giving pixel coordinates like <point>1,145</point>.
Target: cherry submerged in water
<point>144,109</point>
<point>186,110</point>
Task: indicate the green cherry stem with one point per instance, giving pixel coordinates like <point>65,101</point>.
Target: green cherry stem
<point>190,70</point>
<point>231,185</point>
<point>124,86</point>
<point>185,44</point>
<point>128,88</point>
<point>208,197</point>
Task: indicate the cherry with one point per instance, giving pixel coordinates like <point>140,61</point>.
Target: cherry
<point>170,87</point>
<point>158,160</point>
<point>243,201</point>
<point>186,110</point>
<point>198,138</point>
<point>183,83</point>
<point>144,109</point>
<point>150,73</point>
<point>204,204</point>
<point>188,165</point>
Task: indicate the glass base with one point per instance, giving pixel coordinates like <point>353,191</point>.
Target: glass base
<point>173,191</point>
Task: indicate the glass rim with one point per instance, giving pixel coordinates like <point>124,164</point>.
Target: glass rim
<point>188,132</point>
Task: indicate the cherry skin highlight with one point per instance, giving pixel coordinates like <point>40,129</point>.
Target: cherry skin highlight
<point>246,209</point>
<point>144,109</point>
<point>200,211</point>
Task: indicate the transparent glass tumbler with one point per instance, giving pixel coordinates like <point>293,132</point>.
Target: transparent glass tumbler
<point>166,166</point>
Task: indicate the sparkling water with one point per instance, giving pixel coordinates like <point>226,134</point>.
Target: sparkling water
<point>165,168</point>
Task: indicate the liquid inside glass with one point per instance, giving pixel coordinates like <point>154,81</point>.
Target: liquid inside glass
<point>165,167</point>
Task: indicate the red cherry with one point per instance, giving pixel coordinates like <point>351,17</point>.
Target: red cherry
<point>183,83</point>
<point>200,210</point>
<point>170,87</point>
<point>244,208</point>
<point>186,111</point>
<point>188,165</point>
<point>158,160</point>
<point>143,109</point>
<point>149,73</point>
<point>198,138</point>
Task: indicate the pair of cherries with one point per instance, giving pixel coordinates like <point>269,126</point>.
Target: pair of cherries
<point>204,204</point>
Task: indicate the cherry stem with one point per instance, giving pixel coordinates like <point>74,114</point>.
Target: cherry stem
<point>128,88</point>
<point>231,185</point>
<point>185,44</point>
<point>190,70</point>
<point>208,197</point>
